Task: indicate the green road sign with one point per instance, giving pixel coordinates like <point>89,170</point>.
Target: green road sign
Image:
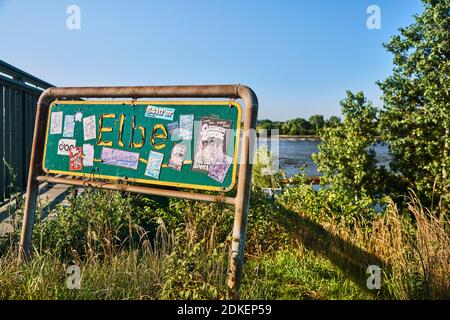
<point>181,144</point>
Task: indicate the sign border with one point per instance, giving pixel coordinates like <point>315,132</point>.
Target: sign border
<point>144,181</point>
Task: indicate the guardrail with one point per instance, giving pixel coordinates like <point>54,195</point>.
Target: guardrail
<point>19,92</point>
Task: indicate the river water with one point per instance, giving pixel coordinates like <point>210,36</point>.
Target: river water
<point>294,154</point>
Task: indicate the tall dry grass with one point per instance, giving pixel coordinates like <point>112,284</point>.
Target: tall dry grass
<point>414,247</point>
<point>410,244</point>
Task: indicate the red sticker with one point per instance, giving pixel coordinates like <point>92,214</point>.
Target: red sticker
<point>76,158</point>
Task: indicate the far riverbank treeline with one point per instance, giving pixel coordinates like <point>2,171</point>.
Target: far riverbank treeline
<point>299,126</point>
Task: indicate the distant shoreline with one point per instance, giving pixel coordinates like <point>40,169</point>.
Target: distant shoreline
<point>285,137</point>
<point>294,138</point>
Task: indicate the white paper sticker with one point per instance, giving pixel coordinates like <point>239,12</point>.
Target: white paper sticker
<point>64,146</point>
<point>219,169</point>
<point>78,116</point>
<point>154,163</point>
<point>69,126</point>
<point>120,158</point>
<point>186,126</point>
<point>56,122</point>
<point>159,113</point>
<point>89,128</point>
<point>88,155</point>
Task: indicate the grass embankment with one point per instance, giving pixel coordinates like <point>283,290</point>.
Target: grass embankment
<point>136,275</point>
<point>133,247</point>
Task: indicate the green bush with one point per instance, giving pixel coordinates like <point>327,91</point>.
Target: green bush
<point>97,222</point>
<point>328,205</point>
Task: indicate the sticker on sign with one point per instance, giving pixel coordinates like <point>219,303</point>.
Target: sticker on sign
<point>64,146</point>
<point>120,158</point>
<point>56,122</point>
<point>159,112</point>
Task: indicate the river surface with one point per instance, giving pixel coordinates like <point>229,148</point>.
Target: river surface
<point>294,154</point>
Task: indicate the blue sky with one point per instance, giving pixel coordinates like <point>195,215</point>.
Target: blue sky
<point>299,56</point>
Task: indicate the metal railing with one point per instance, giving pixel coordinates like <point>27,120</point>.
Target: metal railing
<point>19,93</point>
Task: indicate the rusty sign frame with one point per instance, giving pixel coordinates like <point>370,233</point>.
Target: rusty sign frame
<point>241,201</point>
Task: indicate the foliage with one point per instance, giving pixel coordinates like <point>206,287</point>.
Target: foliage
<point>268,125</point>
<point>15,205</point>
<point>298,126</point>
<point>97,222</point>
<point>414,247</point>
<point>192,274</point>
<point>328,205</point>
<point>410,244</point>
<point>346,155</point>
<point>317,122</point>
<point>286,258</point>
<point>265,174</point>
<point>264,232</point>
<point>297,248</point>
<point>415,119</point>
<point>332,122</point>
<point>297,274</point>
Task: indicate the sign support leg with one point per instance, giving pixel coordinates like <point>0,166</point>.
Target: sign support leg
<point>28,219</point>
<point>33,184</point>
<point>236,263</point>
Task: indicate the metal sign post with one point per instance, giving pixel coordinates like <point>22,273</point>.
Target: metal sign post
<point>39,160</point>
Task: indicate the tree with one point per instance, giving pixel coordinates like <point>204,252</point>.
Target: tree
<point>268,125</point>
<point>297,126</point>
<point>288,128</point>
<point>264,125</point>
<point>415,119</point>
<point>317,122</point>
<point>332,122</point>
<point>346,156</point>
